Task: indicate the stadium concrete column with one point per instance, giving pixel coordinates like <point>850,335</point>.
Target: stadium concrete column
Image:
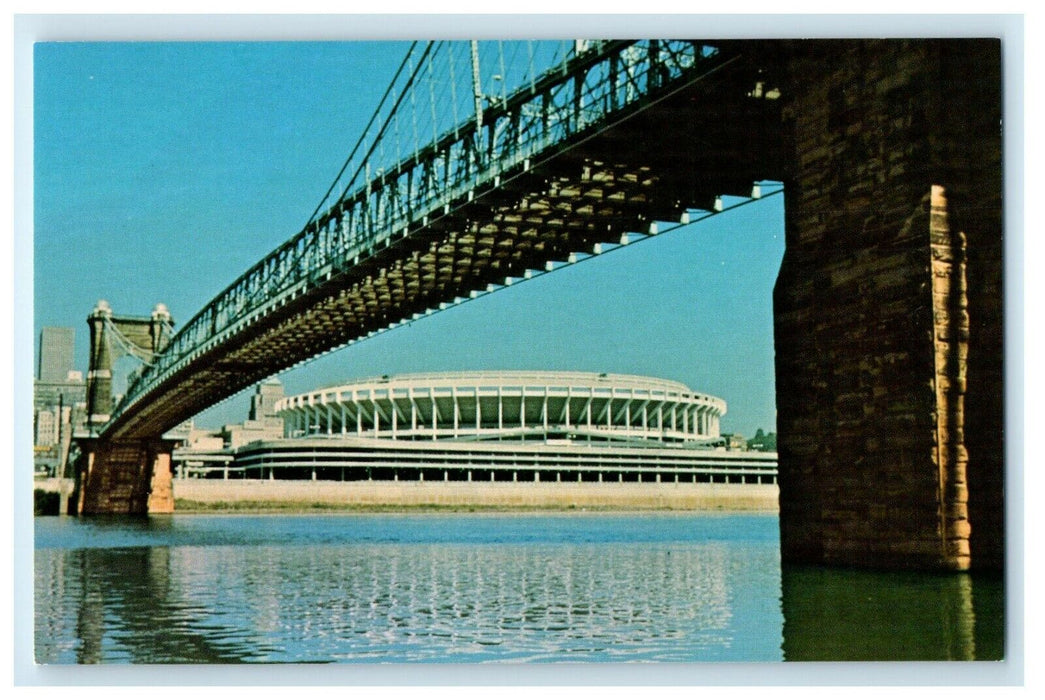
<point>566,409</point>
<point>457,411</point>
<point>544,410</point>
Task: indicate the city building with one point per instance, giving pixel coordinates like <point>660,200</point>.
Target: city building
<point>59,398</point>
<point>210,451</point>
<point>501,426</point>
<point>57,346</point>
<point>263,421</point>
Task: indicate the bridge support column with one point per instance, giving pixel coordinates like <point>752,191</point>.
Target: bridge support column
<point>888,307</point>
<point>127,477</point>
<point>161,484</point>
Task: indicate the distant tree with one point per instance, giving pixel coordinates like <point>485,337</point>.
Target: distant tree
<point>762,442</point>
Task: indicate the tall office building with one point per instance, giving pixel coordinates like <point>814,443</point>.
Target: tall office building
<point>59,393</point>
<point>263,402</point>
<point>56,354</point>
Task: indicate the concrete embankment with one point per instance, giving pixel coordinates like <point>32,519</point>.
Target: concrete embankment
<point>200,494</point>
<point>196,495</point>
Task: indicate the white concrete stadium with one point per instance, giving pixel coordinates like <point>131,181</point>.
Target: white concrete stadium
<point>521,406</point>
<point>503,426</point>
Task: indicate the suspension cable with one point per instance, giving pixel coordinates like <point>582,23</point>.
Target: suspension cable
<point>380,134</point>
<point>129,348</point>
<point>362,136</point>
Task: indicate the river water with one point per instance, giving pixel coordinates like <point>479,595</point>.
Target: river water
<point>469,588</point>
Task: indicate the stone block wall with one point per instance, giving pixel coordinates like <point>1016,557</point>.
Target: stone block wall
<point>127,477</point>
<point>886,357</point>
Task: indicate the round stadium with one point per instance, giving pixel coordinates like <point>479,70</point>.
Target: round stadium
<point>520,406</point>
<point>503,426</point>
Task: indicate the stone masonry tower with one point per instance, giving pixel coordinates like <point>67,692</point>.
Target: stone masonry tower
<point>888,308</point>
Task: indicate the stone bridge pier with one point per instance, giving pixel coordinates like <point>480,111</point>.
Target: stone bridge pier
<point>888,306</point>
<point>132,477</point>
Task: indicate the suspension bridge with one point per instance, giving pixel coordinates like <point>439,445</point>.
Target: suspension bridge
<point>489,162</point>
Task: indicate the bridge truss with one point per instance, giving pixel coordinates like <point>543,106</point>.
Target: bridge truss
<point>476,170</point>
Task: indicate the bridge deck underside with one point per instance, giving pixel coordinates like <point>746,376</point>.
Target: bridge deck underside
<point>677,153</point>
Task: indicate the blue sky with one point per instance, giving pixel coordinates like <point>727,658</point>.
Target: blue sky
<point>163,171</point>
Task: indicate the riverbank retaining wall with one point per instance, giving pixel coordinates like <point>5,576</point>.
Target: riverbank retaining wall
<point>245,494</point>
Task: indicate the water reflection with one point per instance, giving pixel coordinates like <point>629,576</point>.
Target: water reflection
<point>462,589</point>
<point>120,605</point>
<point>673,600</point>
<point>839,614</point>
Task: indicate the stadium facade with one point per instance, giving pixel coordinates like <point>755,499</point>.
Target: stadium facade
<point>503,426</point>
